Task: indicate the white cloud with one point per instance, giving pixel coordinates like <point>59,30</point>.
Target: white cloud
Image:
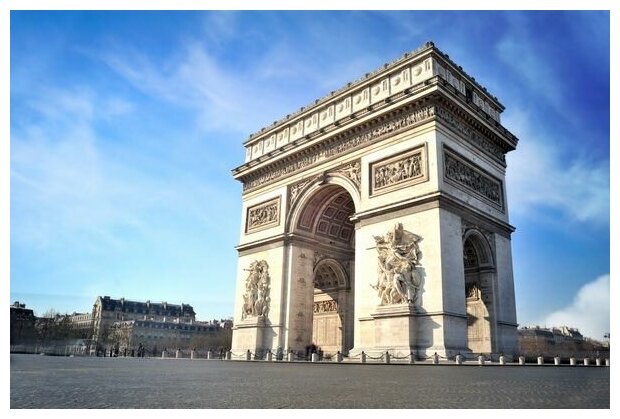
<point>542,175</point>
<point>588,312</point>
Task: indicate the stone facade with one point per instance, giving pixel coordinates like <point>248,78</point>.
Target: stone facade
<point>107,311</point>
<point>380,212</point>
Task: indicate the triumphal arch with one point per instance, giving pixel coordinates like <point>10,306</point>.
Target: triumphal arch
<point>375,220</point>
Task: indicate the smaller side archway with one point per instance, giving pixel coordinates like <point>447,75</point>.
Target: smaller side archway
<point>332,317</point>
<point>479,272</point>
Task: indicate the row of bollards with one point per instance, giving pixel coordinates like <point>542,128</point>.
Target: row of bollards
<point>386,358</point>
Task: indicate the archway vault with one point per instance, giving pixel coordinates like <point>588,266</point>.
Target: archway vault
<point>480,292</point>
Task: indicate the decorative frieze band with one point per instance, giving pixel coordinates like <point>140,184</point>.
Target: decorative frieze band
<point>398,171</point>
<point>325,306</point>
<point>465,174</point>
<point>344,144</point>
<point>477,139</point>
<point>263,215</point>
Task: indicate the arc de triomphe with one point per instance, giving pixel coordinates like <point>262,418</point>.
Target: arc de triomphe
<point>375,219</point>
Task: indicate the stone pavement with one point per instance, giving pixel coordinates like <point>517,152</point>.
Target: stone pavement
<point>83,382</point>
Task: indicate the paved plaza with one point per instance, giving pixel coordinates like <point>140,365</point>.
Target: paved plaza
<point>87,382</point>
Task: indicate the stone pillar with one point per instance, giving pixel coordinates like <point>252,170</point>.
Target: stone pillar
<point>163,354</point>
<point>338,357</point>
<point>192,354</point>
<point>411,358</point>
<point>459,359</point>
<point>290,357</point>
<point>606,362</point>
<point>269,356</point>
<point>598,362</point>
<point>480,360</point>
<point>573,361</point>
<point>521,360</point>
<point>556,360</point>
<point>248,355</point>
<point>387,357</point>
<point>228,355</point>
<point>177,354</point>
<point>435,358</point>
<point>502,360</point>
<point>315,357</point>
<point>586,361</point>
<point>541,360</point>
<point>363,357</point>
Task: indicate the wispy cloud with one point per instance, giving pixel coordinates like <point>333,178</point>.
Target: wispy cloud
<point>543,174</point>
<point>588,312</point>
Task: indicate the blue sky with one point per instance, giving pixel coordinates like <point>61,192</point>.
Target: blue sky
<point>124,127</point>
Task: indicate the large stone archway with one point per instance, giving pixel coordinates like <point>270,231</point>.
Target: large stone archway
<point>362,210</point>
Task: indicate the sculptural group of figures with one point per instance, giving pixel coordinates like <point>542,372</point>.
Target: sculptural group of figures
<point>256,297</point>
<point>399,279</point>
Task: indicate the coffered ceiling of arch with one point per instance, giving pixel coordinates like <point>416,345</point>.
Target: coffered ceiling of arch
<point>328,216</point>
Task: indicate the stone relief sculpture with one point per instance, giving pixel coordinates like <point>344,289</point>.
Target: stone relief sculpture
<point>256,297</point>
<point>325,306</point>
<point>473,179</point>
<point>263,215</point>
<point>398,257</point>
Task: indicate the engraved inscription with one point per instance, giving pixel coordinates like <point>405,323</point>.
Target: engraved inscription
<point>472,178</point>
<point>263,215</point>
<point>406,168</point>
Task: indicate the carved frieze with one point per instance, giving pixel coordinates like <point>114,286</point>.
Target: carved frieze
<point>353,171</point>
<point>477,139</point>
<point>398,257</point>
<point>341,145</point>
<point>263,215</point>
<point>398,171</point>
<point>256,297</point>
<point>468,176</point>
<point>325,306</point>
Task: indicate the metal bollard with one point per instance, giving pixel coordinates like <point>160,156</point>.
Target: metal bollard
<point>269,356</point>
<point>228,355</point>
<point>290,357</point>
<point>315,357</point>
<point>502,360</point>
<point>573,361</point>
<point>521,360</point>
<point>459,359</point>
<point>541,360</point>
<point>363,357</point>
<point>411,358</point>
<point>387,357</point>
<point>586,361</point>
<point>248,355</point>
<point>480,360</point>
<point>556,360</point>
<point>338,357</point>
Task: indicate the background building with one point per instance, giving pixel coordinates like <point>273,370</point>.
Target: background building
<point>561,341</point>
<point>22,324</point>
